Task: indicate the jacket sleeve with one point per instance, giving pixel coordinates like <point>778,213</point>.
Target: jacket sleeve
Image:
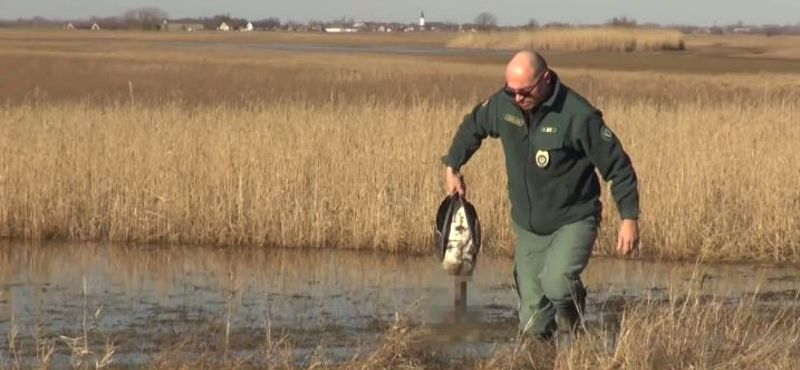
<point>475,127</point>
<point>605,151</point>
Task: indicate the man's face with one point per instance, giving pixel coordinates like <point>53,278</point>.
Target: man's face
<point>529,92</point>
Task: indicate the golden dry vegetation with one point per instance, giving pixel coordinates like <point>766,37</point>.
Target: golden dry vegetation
<point>128,142</point>
<point>574,39</point>
<point>685,331</point>
<point>750,46</point>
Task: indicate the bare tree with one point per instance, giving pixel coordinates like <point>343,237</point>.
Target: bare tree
<point>485,21</point>
<point>148,18</point>
<point>622,21</point>
<point>268,23</point>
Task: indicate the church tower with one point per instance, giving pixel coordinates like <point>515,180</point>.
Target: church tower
<point>422,19</point>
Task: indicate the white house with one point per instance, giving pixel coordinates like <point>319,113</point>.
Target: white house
<point>95,27</point>
<point>224,27</point>
<point>421,20</point>
<point>248,27</point>
<point>340,30</point>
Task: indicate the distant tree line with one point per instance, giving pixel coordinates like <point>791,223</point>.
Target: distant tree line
<point>144,18</point>
<point>154,19</point>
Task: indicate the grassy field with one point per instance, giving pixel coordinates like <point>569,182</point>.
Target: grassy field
<point>308,149</point>
<point>579,39</point>
<point>752,46</point>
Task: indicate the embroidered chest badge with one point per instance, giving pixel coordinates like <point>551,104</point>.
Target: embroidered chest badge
<point>514,119</point>
<point>549,129</point>
<point>542,158</point>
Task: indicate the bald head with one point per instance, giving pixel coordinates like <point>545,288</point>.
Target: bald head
<point>528,79</point>
<point>524,67</point>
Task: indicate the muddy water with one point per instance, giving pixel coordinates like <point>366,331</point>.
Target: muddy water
<point>154,297</point>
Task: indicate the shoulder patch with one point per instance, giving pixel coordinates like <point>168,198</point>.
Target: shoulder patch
<point>605,133</point>
<point>514,119</point>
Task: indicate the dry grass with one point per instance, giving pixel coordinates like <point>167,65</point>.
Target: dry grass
<point>685,331</point>
<point>331,150</point>
<point>751,46</point>
<point>574,39</point>
<point>362,174</point>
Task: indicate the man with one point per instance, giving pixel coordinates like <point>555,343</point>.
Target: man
<point>553,140</point>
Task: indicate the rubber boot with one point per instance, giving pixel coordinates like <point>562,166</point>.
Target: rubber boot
<point>569,321</point>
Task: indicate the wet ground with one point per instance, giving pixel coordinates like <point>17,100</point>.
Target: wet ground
<point>154,297</point>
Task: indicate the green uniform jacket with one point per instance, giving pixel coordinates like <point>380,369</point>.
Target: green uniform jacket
<point>551,156</point>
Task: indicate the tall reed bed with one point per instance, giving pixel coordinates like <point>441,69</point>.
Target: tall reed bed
<point>574,39</point>
<point>717,179</point>
<point>685,332</point>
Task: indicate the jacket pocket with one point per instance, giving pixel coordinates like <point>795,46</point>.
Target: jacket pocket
<point>551,156</point>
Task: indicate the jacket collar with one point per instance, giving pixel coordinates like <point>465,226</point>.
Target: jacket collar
<point>556,91</point>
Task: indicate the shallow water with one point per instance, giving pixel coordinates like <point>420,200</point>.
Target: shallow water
<point>152,297</point>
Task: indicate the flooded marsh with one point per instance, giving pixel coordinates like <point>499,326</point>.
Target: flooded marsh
<point>171,202</point>
<point>155,297</point>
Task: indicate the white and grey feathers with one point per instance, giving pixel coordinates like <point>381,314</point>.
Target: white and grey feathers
<point>459,255</point>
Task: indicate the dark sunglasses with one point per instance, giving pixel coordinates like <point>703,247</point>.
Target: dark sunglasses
<point>526,92</point>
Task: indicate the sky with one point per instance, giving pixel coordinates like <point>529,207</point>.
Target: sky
<point>508,12</point>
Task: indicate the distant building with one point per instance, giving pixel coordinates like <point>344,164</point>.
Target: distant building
<point>186,27</point>
<point>69,26</point>
<point>340,30</point>
<point>421,19</point>
<point>247,28</point>
<point>223,27</point>
<point>95,27</point>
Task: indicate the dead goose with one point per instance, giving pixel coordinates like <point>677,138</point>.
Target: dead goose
<point>458,235</point>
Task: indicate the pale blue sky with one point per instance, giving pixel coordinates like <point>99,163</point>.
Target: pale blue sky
<point>508,12</point>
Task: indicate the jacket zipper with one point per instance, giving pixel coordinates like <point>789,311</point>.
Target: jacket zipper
<point>525,171</point>
<point>533,124</point>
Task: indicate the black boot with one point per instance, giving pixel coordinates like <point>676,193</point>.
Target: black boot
<point>569,319</point>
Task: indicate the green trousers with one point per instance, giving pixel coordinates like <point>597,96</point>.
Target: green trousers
<point>547,272</point>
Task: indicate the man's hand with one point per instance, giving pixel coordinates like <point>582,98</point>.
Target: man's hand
<point>628,238</point>
<point>454,182</point>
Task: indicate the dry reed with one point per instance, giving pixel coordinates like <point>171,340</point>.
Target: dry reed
<point>686,330</point>
<point>614,39</point>
<point>332,150</point>
<point>716,178</point>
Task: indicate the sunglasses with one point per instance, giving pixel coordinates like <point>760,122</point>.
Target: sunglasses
<point>525,92</point>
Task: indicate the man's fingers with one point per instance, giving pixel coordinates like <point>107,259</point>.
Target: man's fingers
<point>624,245</point>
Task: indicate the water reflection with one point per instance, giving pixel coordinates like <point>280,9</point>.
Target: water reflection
<point>148,293</point>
